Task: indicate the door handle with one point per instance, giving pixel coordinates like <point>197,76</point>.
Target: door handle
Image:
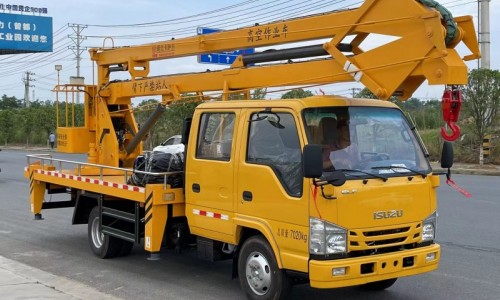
<point>247,196</point>
<point>196,188</point>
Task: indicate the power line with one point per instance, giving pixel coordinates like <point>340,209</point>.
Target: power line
<point>9,70</point>
<point>232,16</point>
<point>22,64</point>
<point>34,69</point>
<point>17,63</point>
<point>168,21</point>
<point>226,16</point>
<point>270,11</point>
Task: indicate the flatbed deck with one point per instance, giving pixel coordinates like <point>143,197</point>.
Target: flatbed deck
<point>99,179</point>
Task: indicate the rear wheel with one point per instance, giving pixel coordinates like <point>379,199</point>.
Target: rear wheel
<point>379,285</point>
<point>125,248</point>
<point>102,245</point>
<point>258,271</point>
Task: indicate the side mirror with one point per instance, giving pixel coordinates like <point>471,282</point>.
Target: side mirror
<point>447,155</point>
<point>312,164</point>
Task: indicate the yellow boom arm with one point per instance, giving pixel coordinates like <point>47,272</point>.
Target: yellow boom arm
<point>416,52</point>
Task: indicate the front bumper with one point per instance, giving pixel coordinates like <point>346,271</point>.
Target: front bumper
<point>361,270</point>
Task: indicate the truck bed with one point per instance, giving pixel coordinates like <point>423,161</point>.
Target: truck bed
<point>113,185</point>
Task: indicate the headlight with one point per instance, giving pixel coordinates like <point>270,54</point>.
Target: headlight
<point>326,238</point>
<point>429,228</point>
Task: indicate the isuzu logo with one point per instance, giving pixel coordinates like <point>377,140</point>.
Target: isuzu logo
<point>388,214</point>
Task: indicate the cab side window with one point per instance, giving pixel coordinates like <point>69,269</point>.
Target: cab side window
<point>215,137</point>
<point>273,141</point>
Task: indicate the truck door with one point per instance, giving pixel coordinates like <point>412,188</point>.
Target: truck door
<point>270,185</point>
<point>210,174</point>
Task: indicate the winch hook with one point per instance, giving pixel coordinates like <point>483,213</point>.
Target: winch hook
<point>452,101</point>
<point>455,132</point>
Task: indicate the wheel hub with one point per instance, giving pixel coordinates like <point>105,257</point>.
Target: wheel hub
<point>258,273</point>
<point>97,235</point>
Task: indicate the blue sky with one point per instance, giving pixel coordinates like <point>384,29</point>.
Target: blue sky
<point>222,14</point>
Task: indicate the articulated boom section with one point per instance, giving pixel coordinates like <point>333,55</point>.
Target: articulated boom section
<point>417,52</point>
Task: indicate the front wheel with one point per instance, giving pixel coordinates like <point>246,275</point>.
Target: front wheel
<point>258,271</point>
<point>379,285</point>
<point>102,245</point>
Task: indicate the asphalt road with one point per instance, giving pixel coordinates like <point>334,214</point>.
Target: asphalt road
<point>468,231</point>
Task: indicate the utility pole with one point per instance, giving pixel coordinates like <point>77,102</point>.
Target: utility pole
<point>484,32</point>
<point>27,80</point>
<point>484,44</point>
<point>354,90</point>
<point>77,49</point>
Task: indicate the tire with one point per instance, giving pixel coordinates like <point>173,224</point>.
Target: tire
<point>260,277</point>
<point>103,245</point>
<point>177,235</point>
<point>125,248</point>
<point>379,285</point>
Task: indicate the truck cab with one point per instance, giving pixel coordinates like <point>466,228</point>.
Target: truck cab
<point>245,178</point>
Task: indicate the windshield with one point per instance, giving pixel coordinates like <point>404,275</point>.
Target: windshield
<point>366,140</point>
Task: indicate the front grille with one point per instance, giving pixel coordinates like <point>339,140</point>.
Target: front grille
<point>386,242</point>
<point>384,232</point>
<point>395,236</point>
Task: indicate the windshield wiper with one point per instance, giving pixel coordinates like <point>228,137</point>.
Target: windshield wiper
<point>394,168</point>
<point>366,173</point>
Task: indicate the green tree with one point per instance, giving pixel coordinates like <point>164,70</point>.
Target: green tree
<point>45,121</point>
<point>365,93</point>
<point>176,114</point>
<point>411,104</point>
<point>481,102</point>
<point>10,102</point>
<point>259,93</point>
<point>47,118</point>
<point>297,94</point>
<point>7,123</point>
<point>425,114</point>
<point>141,114</point>
<point>170,122</point>
<point>430,114</point>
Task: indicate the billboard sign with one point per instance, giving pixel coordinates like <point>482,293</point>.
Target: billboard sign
<point>23,8</point>
<point>220,58</point>
<point>25,34</point>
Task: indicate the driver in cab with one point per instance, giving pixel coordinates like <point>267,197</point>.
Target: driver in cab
<point>338,150</point>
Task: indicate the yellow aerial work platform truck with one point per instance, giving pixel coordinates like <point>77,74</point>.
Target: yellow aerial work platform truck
<point>326,190</point>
